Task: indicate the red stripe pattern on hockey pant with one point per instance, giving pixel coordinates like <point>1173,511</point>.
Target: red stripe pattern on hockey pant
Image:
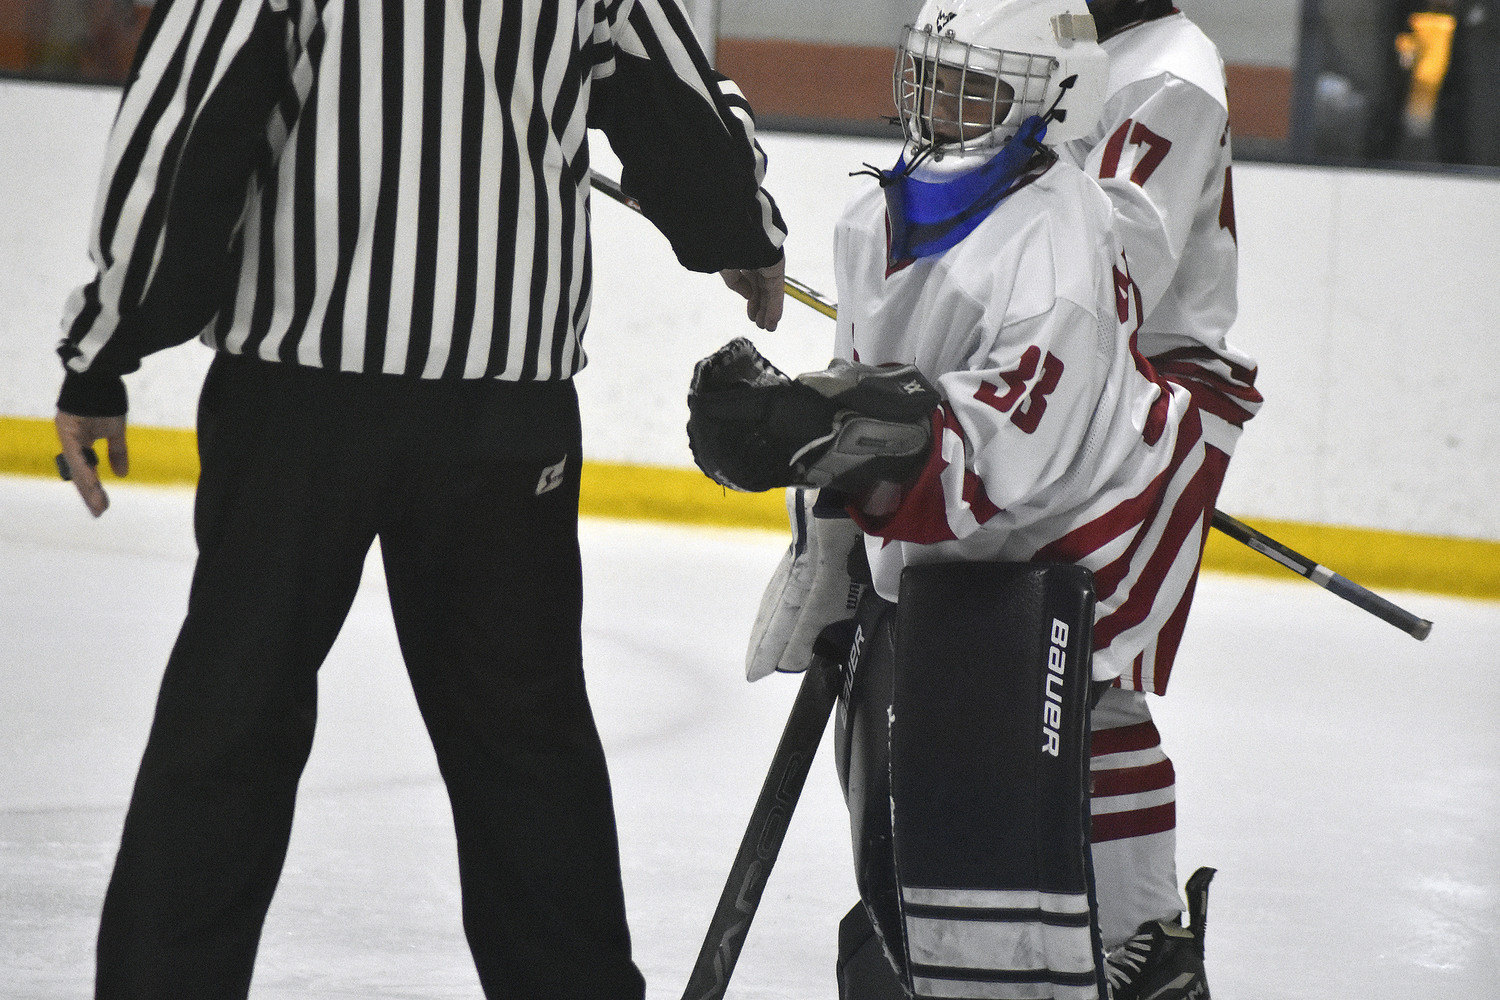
<point>1134,784</point>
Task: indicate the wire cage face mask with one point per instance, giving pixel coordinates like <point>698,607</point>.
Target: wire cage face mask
<point>956,96</point>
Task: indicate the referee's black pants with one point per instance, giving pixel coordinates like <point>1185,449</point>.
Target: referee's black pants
<point>472,490</point>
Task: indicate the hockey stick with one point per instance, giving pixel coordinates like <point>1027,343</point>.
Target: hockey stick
<point>768,821</point>
<point>794,288</point>
<point>1324,577</point>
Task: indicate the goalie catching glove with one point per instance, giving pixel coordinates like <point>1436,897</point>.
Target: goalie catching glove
<point>850,426</point>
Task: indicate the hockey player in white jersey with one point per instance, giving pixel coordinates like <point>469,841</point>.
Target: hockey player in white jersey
<point>1162,152</point>
<point>990,271</point>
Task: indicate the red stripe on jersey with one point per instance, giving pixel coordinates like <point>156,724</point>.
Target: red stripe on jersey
<point>1218,386</point>
<point>1125,739</point>
<point>1202,357</point>
<point>1134,780</point>
<point>1146,588</point>
<point>1132,514</point>
<point>1102,530</point>
<point>1223,399</point>
<point>1164,515</point>
<point>1186,514</point>
<point>1156,416</point>
<point>1226,207</point>
<point>1107,578</point>
<point>1169,638</point>
<point>1136,823</point>
<point>980,504</point>
<point>922,516</point>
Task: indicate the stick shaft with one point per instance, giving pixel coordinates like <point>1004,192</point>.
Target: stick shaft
<point>1323,576</point>
<point>765,832</point>
<point>808,297</point>
<point>610,188</point>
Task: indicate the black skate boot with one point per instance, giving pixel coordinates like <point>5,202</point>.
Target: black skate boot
<point>1164,960</point>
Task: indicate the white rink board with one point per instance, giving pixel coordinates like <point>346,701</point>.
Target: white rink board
<point>1365,296</point>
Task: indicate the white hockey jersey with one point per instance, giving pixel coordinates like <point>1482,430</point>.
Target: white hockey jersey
<point>1162,153</point>
<point>1056,440</point>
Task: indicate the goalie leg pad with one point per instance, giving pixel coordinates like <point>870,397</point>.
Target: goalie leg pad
<point>989,764</point>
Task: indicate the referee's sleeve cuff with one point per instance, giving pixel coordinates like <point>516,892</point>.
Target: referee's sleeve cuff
<point>89,395</point>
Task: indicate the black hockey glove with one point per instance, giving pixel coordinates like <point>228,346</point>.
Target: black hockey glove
<point>850,426</point>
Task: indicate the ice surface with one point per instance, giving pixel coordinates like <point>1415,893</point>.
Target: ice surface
<point>1344,778</point>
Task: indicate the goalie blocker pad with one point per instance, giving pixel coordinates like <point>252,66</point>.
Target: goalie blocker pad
<point>973,860</point>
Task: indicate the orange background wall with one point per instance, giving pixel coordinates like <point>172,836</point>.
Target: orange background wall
<point>91,40</point>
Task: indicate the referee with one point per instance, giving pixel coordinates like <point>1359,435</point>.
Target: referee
<point>377,214</point>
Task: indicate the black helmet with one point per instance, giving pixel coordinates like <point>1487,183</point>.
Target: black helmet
<point>1114,16</point>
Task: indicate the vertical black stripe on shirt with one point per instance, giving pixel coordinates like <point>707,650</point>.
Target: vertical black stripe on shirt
<point>538,134</point>
<point>563,312</point>
<point>570,183</point>
<point>225,318</point>
<point>383,246</point>
<point>289,108</point>
<point>470,154</point>
<point>304,234</point>
<point>585,285</point>
<point>429,190</point>
<point>507,55</point>
<point>265,267</point>
<point>262,266</point>
<point>581,167</point>
<point>330,348</point>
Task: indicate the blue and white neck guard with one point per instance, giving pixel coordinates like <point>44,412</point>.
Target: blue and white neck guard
<point>928,217</point>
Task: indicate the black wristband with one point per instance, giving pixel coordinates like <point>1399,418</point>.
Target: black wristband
<point>89,395</point>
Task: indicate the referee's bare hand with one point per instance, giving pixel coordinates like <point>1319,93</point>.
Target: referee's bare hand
<point>76,433</point>
<point>763,289</point>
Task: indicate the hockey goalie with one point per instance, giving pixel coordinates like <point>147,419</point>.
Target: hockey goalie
<point>1012,503</point>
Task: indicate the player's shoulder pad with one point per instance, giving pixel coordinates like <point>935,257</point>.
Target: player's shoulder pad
<point>1172,44</point>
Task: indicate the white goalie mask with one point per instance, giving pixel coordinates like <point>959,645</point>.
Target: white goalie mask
<point>970,72</point>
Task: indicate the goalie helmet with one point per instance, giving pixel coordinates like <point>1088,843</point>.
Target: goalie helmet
<point>970,72</point>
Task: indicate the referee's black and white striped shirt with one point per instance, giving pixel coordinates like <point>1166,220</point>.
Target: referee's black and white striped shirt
<point>398,186</point>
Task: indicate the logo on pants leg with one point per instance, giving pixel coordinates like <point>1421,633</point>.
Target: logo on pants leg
<point>552,477</point>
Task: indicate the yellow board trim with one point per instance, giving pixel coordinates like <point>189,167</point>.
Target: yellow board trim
<point>1376,559</point>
